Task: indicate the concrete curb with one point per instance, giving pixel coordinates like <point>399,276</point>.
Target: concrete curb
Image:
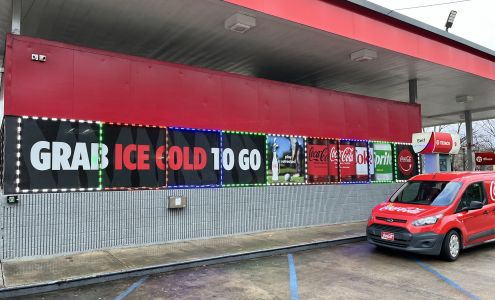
<point>72,283</point>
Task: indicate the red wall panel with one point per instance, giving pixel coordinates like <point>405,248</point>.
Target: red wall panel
<point>303,103</point>
<point>82,83</point>
<point>99,80</point>
<point>46,87</point>
<point>336,123</point>
<point>275,109</point>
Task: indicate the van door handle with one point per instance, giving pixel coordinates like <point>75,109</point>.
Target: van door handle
<point>485,212</point>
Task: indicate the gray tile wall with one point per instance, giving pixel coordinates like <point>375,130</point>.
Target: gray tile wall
<point>47,224</point>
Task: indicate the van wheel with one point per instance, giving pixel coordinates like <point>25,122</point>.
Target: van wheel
<point>451,246</point>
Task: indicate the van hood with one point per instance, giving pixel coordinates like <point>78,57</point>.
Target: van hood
<point>406,211</point>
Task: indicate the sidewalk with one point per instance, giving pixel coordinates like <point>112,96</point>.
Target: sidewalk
<point>53,270</point>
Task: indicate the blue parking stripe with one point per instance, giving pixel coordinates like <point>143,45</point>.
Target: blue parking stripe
<point>447,280</point>
<point>292,278</point>
<point>130,289</point>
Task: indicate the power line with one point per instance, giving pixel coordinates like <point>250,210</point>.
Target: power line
<point>436,4</point>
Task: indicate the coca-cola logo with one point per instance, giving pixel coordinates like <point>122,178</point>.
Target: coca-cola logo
<point>347,155</point>
<point>333,154</point>
<point>406,162</point>
<point>316,154</point>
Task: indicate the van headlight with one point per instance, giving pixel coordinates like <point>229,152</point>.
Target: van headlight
<point>427,221</point>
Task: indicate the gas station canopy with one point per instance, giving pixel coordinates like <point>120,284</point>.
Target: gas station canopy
<point>313,47</point>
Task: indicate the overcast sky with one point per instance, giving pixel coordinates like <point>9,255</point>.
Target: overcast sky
<point>475,20</point>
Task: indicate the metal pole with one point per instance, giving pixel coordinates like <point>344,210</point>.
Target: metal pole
<point>468,121</point>
<point>413,91</point>
<point>16,17</point>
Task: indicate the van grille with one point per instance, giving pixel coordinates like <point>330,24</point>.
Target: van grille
<point>391,219</point>
<point>388,228</point>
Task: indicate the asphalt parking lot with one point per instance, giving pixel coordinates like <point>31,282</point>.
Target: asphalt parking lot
<point>351,271</point>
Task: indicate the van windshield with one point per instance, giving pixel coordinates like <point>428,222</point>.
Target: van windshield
<point>435,193</point>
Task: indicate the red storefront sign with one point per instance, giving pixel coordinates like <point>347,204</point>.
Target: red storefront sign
<point>484,158</point>
<point>436,142</point>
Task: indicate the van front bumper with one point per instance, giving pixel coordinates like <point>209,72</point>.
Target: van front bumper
<point>424,243</point>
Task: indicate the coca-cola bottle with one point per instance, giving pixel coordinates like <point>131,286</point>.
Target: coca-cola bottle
<point>347,161</point>
<point>275,164</point>
<point>318,160</point>
<point>333,166</point>
<point>362,168</point>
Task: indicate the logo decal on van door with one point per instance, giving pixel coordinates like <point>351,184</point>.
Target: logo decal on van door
<point>492,190</point>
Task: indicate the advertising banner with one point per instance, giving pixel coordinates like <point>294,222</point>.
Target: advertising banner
<point>484,158</point>
<point>193,157</point>
<point>347,160</point>
<point>362,168</point>
<point>55,154</point>
<point>59,155</point>
<point>353,161</point>
<point>243,158</point>
<point>318,164</point>
<point>322,160</point>
<point>381,162</point>
<point>406,162</point>
<point>285,156</point>
<point>136,156</point>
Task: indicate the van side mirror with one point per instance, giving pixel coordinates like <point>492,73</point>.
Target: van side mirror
<point>475,205</point>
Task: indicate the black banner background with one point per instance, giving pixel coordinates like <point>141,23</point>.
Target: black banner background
<point>153,137</point>
<point>405,149</point>
<point>238,142</point>
<point>35,130</point>
<point>205,140</point>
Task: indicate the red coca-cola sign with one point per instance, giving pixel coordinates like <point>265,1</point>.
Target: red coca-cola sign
<point>347,160</point>
<point>484,158</point>
<point>405,162</point>
<point>318,159</point>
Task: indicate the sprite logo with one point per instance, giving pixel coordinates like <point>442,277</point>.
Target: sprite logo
<point>383,162</point>
<point>383,158</point>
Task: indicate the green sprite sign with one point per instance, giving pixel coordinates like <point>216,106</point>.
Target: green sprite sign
<point>382,163</point>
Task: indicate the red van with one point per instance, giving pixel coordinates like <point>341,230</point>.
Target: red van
<point>437,214</point>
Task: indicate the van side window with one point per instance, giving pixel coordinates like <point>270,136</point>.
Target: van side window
<point>474,192</point>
